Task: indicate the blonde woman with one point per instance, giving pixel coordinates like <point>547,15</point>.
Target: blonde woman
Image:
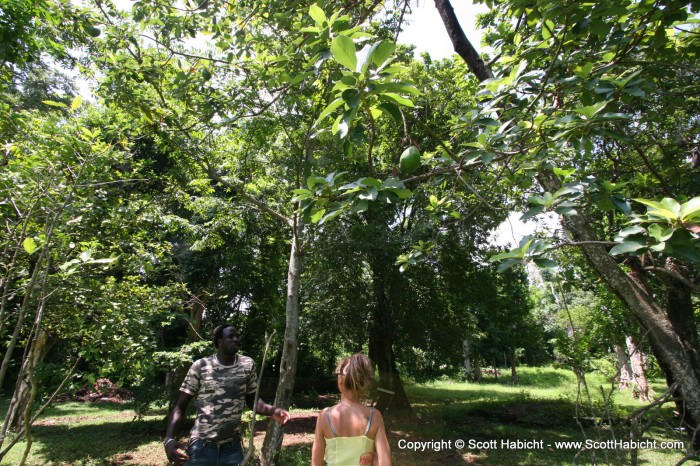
<point>351,433</point>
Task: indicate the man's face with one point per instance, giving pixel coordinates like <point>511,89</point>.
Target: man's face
<point>228,343</point>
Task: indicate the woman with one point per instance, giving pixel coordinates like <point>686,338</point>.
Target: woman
<point>351,433</point>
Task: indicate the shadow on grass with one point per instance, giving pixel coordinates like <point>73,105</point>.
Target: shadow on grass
<point>66,444</point>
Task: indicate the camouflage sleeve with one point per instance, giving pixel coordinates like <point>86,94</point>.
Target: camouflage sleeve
<point>192,380</point>
<point>252,382</point>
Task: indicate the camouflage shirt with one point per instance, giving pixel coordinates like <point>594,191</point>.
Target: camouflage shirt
<point>220,392</point>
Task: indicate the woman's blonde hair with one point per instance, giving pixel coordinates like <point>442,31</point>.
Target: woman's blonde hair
<point>358,374</point>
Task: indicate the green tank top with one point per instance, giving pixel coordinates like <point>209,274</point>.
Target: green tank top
<point>349,451</point>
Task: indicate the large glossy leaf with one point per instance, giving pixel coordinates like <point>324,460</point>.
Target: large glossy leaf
<point>626,247</point>
<point>661,209</point>
<point>317,14</point>
<point>382,54</point>
<point>344,52</point>
<point>690,209</point>
<point>329,109</point>
<point>397,98</point>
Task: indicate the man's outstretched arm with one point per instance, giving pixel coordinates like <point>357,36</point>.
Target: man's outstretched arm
<point>278,414</point>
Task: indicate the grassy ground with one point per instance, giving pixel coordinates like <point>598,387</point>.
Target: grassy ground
<point>542,409</point>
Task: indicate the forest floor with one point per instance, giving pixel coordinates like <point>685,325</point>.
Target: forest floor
<point>546,407</point>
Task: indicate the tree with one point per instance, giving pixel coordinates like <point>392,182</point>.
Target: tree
<point>585,84</point>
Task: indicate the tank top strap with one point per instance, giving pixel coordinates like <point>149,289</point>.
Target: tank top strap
<point>330,424</point>
<point>369,421</point>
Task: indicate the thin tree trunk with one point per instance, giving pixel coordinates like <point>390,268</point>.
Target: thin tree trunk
<point>625,368</point>
<point>477,368</point>
<point>20,398</point>
<point>28,292</point>
<point>468,369</point>
<point>196,314</point>
<point>288,365</point>
<point>641,389</point>
<point>514,379</point>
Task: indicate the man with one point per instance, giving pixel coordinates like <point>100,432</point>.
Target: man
<point>221,383</point>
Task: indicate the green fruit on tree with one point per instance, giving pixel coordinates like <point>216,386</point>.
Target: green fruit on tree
<point>92,30</point>
<point>410,160</point>
<point>206,74</point>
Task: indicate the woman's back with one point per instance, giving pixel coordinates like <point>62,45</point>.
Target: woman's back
<point>350,419</point>
<point>351,439</point>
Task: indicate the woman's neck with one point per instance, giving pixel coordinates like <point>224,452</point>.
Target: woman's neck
<point>348,398</point>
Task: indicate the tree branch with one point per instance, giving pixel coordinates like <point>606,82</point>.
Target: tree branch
<point>260,205</point>
<point>461,44</point>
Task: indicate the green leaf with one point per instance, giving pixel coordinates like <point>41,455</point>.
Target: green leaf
<point>660,233</point>
<point>532,212</point>
<point>361,206</point>
<point>659,209</point>
<point>351,97</point>
<point>344,52</point>
<point>690,209</point>
<point>402,193</point>
<point>53,103</point>
<point>330,216</point>
<point>370,194</point>
<point>77,102</point>
<point>621,204</point>
<point>371,182</point>
<point>29,245</point>
<point>629,231</point>
<point>514,254</point>
<point>626,247</point>
<point>671,205</point>
<point>317,215</point>
<point>396,98</point>
<point>381,55</point>
<point>545,263</point>
<point>505,265</point>
<point>329,109</point>
<point>317,14</point>
<point>392,110</point>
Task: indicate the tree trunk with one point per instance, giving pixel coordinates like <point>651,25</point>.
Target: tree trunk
<point>194,331</point>
<point>288,364</point>
<point>13,420</point>
<point>468,369</point>
<point>641,389</point>
<point>513,373</point>
<point>381,339</point>
<point>477,368</point>
<point>679,307</point>
<point>625,368</point>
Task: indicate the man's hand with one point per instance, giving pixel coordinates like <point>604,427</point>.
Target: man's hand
<point>172,451</point>
<point>281,416</point>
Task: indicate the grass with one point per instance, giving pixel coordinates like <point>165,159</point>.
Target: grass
<point>542,409</point>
